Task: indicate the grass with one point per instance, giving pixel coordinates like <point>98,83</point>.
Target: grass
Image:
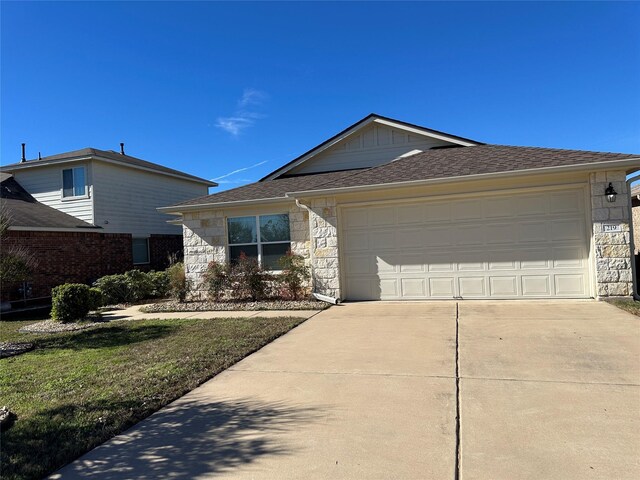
<point>628,304</point>
<point>78,389</point>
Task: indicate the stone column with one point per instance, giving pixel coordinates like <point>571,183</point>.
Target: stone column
<point>612,249</point>
<point>324,243</point>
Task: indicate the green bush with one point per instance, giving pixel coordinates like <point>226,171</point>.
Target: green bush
<point>249,280</point>
<point>133,286</point>
<point>140,285</point>
<point>70,302</point>
<point>217,279</point>
<point>95,299</point>
<point>114,288</point>
<point>179,286</point>
<point>160,281</point>
<point>293,276</point>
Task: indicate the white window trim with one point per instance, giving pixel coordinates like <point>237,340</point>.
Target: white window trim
<point>148,250</point>
<point>86,184</point>
<point>258,242</point>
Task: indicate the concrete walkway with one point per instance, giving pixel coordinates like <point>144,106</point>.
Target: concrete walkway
<point>544,390</point>
<point>134,313</point>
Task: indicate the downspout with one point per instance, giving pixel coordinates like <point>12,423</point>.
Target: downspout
<point>319,296</point>
<point>636,296</point>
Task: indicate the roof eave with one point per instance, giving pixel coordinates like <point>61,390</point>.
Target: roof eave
<point>179,209</point>
<point>631,162</point>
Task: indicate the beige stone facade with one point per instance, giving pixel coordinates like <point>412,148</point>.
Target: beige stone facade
<point>612,249</point>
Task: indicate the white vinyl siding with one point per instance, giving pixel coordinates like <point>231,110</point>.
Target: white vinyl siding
<point>528,245</point>
<point>127,199</point>
<point>373,145</point>
<point>45,185</point>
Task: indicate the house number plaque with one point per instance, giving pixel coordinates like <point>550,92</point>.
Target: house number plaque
<point>611,228</point>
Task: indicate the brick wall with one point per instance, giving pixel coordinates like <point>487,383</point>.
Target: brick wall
<point>65,257</point>
<point>160,247</point>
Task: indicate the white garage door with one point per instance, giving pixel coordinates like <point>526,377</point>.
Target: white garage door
<point>523,245</point>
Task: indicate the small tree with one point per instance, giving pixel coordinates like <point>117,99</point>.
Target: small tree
<point>179,285</point>
<point>16,261</point>
<point>249,279</point>
<point>294,274</point>
<point>217,279</point>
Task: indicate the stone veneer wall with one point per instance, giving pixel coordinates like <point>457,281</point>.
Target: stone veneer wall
<point>205,240</point>
<point>325,258</point>
<point>612,250</point>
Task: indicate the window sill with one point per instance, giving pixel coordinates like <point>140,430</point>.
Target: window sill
<point>71,199</point>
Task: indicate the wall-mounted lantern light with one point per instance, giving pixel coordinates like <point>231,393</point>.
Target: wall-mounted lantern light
<point>610,193</point>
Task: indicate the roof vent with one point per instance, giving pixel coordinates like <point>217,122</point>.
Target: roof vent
<point>24,156</point>
<point>121,148</point>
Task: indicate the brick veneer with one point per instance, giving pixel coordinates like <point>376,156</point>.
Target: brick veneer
<point>69,257</point>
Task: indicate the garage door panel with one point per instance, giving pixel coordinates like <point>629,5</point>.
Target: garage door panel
<point>472,286</point>
<point>536,285</point>
<point>414,287</point>
<point>503,286</point>
<point>567,285</point>
<point>526,245</point>
<point>441,287</point>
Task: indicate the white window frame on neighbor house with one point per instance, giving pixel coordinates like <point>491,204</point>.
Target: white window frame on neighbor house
<point>259,243</point>
<point>148,251</point>
<point>73,181</point>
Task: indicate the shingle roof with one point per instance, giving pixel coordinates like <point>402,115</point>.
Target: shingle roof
<point>271,189</point>
<point>476,160</point>
<point>110,155</point>
<point>432,164</point>
<point>25,211</point>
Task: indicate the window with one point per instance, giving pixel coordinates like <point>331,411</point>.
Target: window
<point>265,237</point>
<point>73,182</point>
<point>140,250</point>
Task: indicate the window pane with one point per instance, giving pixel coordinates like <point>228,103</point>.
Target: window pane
<point>272,252</point>
<point>140,250</point>
<point>78,181</point>
<point>67,183</point>
<point>274,228</point>
<point>242,230</point>
<point>249,251</point>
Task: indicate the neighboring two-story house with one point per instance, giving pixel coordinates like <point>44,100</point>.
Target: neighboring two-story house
<point>114,193</point>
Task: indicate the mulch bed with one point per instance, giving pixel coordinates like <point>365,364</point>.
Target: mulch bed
<point>53,326</point>
<point>228,306</point>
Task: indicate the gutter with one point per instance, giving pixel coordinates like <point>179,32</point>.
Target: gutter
<point>632,162</point>
<point>177,209</point>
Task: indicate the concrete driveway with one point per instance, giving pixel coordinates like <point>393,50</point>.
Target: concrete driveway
<point>542,390</point>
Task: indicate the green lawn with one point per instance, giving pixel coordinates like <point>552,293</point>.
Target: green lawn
<point>76,390</point>
<point>628,304</point>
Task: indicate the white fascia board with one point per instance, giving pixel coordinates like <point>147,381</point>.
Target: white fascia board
<point>57,229</point>
<point>424,133</point>
<point>177,209</point>
<point>633,162</point>
<point>30,164</point>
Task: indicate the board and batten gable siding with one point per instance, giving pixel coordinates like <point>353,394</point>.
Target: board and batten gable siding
<point>45,185</point>
<point>127,199</point>
<point>372,146</point>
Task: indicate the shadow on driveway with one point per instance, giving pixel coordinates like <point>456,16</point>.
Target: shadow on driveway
<point>190,439</point>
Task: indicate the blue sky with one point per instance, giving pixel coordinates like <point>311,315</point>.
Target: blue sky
<point>211,88</point>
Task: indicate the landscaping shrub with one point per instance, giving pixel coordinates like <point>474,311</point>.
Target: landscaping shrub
<point>114,288</point>
<point>217,279</point>
<point>160,281</point>
<point>140,285</point>
<point>133,286</point>
<point>293,276</point>
<point>70,302</point>
<point>249,279</point>
<point>179,286</point>
<point>95,299</point>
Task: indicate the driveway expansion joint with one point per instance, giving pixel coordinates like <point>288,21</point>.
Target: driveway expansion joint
<point>457,457</point>
<point>568,382</point>
<point>362,374</point>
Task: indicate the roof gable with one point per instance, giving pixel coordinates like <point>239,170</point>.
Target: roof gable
<point>372,141</point>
